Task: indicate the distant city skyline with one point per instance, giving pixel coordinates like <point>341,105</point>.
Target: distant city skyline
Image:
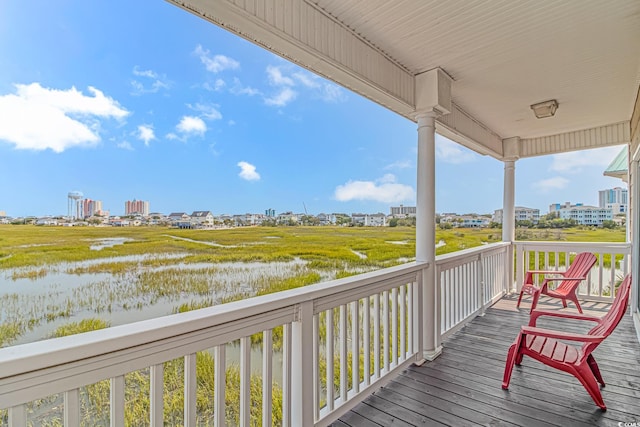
<point>615,198</point>
<point>168,107</point>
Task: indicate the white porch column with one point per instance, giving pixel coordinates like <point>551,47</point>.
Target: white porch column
<point>511,152</point>
<point>426,231</point>
<point>509,221</point>
<point>433,97</point>
<point>508,202</point>
<point>426,189</point>
<point>634,230</point>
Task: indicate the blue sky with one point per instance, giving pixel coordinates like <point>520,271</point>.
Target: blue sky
<point>142,100</point>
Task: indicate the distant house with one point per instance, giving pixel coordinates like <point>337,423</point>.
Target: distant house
<point>287,217</point>
<point>465,221</point>
<point>473,221</point>
<point>46,221</point>
<point>521,214</point>
<point>202,219</point>
<point>177,216</point>
<point>248,219</point>
<point>369,220</point>
<point>327,219</point>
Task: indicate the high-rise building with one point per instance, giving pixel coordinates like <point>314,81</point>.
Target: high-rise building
<point>88,208</point>
<point>615,199</point>
<point>403,210</point>
<point>136,207</point>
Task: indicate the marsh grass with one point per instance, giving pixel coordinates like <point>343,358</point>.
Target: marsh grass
<point>296,256</point>
<point>84,325</point>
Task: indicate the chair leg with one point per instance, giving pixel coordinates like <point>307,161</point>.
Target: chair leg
<point>527,285</point>
<point>534,302</point>
<point>508,367</point>
<point>584,374</point>
<point>575,301</point>
<point>520,297</point>
<point>594,368</point>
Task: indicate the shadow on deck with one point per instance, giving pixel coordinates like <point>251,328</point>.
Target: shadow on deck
<point>462,386</point>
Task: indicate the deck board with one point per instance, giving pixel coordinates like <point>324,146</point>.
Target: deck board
<point>462,387</point>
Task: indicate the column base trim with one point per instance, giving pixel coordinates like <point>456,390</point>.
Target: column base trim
<point>432,354</point>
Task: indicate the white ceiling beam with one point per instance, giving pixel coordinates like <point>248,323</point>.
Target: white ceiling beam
<point>584,139</point>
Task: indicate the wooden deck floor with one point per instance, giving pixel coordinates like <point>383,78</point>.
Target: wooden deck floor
<point>462,387</point>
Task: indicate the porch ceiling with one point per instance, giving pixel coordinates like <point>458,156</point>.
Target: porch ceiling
<point>502,55</point>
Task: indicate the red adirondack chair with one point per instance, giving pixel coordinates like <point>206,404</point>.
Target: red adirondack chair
<point>569,281</point>
<point>544,345</point>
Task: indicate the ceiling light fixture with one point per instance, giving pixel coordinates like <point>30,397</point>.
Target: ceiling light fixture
<point>545,109</point>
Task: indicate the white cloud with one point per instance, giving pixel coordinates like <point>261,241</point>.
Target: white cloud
<point>239,89</point>
<point>576,161</point>
<point>399,165</point>
<point>145,133</point>
<point>550,184</point>
<point>285,96</point>
<point>327,91</point>
<point>154,82</point>
<point>285,81</point>
<point>190,125</point>
<point>307,79</point>
<point>385,190</point>
<point>125,145</point>
<point>144,73</point>
<point>451,152</point>
<point>219,84</point>
<point>38,118</point>
<point>216,63</point>
<point>248,172</point>
<point>332,93</point>
<point>276,78</point>
<point>209,112</point>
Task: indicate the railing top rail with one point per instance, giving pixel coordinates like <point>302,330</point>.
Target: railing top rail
<point>16,360</point>
<point>467,253</point>
<point>564,246</point>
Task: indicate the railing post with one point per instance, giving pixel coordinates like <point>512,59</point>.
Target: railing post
<point>302,381</point>
<point>117,401</point>
<point>71,412</point>
<point>508,276</point>
<point>481,280</point>
<point>519,267</point>
<point>156,398</point>
<point>18,416</point>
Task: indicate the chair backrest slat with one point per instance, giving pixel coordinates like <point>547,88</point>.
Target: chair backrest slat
<point>610,321</point>
<point>578,268</point>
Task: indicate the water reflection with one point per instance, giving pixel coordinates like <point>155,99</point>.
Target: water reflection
<point>109,242</point>
<point>69,293</point>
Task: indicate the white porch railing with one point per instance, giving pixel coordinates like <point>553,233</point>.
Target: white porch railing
<point>337,341</point>
<point>612,265</point>
<point>351,334</point>
<point>469,281</point>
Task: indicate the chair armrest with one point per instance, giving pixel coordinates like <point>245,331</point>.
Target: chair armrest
<point>539,313</point>
<point>564,278</point>
<point>545,272</point>
<point>550,333</point>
